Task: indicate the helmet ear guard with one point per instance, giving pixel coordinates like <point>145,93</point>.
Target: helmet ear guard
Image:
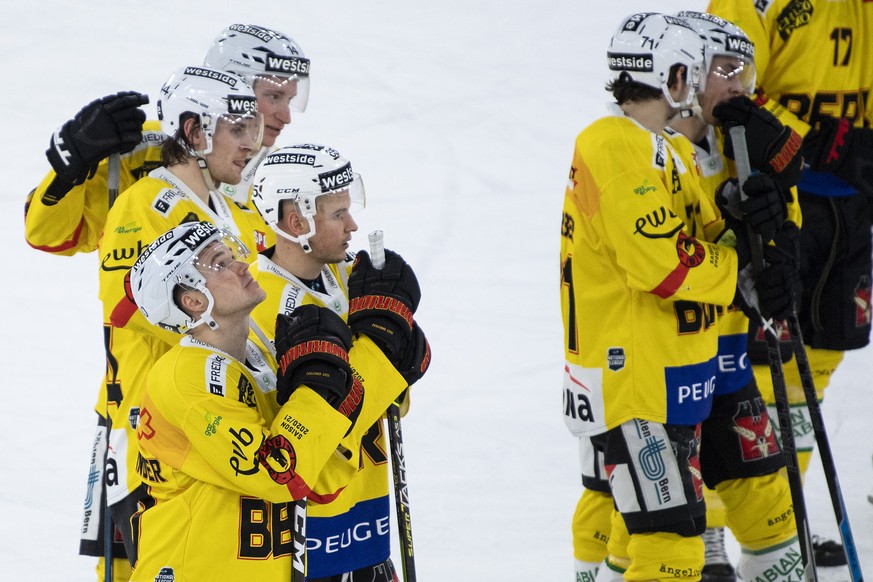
<point>301,174</point>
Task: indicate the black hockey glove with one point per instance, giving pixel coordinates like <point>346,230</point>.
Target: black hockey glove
<point>312,348</point>
<point>841,149</point>
<point>764,208</point>
<point>383,301</point>
<point>111,124</point>
<point>774,149</point>
<point>770,293</point>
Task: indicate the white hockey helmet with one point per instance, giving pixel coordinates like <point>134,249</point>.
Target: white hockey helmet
<point>646,45</point>
<point>213,95</point>
<point>723,38</point>
<point>252,51</point>
<point>302,173</point>
<point>173,259</point>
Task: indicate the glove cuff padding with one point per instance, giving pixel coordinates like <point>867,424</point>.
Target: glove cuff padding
<point>416,358</point>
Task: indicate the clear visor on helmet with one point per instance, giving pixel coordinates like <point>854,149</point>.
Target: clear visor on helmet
<point>219,254</point>
<point>354,189</point>
<point>247,129</point>
<point>733,69</point>
<point>292,89</point>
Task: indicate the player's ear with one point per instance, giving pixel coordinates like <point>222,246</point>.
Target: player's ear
<point>677,83</point>
<point>296,224</point>
<point>192,301</point>
<point>193,134</point>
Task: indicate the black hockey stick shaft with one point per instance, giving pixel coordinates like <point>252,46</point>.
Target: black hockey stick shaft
<point>783,411</point>
<point>395,440</point>
<point>401,492</point>
<point>113,183</point>
<point>824,448</point>
<point>108,524</point>
<point>298,554</point>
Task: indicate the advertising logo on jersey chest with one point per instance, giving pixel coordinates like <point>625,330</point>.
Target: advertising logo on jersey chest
<point>165,200</point>
<point>798,13</point>
<point>216,374</point>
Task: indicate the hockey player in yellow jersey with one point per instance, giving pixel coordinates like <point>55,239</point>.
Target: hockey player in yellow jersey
<point>66,212</point>
<point>814,74</point>
<point>213,118</point>
<point>226,447</point>
<point>307,194</point>
<point>640,290</point>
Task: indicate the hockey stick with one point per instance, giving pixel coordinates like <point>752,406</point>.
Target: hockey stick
<point>398,457</point>
<point>824,448</point>
<point>789,450</point>
<point>113,183</point>
<point>298,556</point>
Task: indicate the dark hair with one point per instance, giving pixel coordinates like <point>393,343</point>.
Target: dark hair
<point>177,149</point>
<point>626,90</point>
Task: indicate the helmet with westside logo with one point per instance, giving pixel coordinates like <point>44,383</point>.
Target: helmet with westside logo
<point>212,95</point>
<point>647,45</point>
<point>723,38</point>
<point>254,52</point>
<point>173,260</point>
<point>302,173</point>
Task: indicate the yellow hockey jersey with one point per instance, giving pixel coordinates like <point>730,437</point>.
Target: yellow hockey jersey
<point>224,464</point>
<point>75,223</point>
<point>155,204</point>
<point>640,284</point>
<point>351,531</point>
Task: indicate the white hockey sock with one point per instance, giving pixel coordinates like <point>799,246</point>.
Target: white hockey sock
<point>780,563</point>
<point>586,571</point>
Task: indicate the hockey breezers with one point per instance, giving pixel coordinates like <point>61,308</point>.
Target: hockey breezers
<point>789,450</point>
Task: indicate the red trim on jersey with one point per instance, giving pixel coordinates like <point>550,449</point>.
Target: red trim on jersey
<point>671,282</point>
<point>122,312</point>
<point>64,246</point>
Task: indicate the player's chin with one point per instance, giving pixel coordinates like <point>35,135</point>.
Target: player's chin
<point>270,136</point>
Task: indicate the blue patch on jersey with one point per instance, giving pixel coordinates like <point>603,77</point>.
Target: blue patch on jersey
<point>734,369</point>
<point>343,543</point>
<point>689,391</point>
<point>824,184</point>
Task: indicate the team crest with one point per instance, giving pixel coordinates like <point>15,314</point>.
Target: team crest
<point>690,251</point>
<point>166,575</point>
<point>755,432</point>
